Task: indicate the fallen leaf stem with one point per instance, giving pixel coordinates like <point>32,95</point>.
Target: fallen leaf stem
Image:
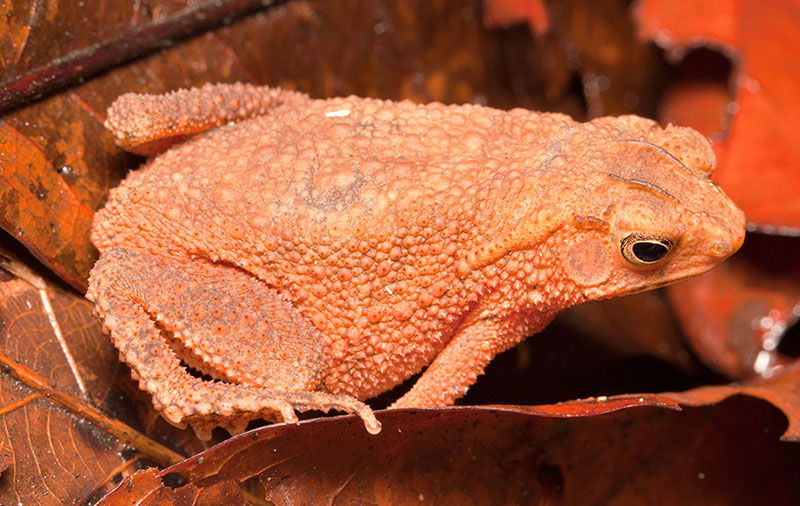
<point>80,408</point>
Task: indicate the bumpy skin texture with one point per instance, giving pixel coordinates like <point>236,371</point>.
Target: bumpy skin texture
<point>324,251</point>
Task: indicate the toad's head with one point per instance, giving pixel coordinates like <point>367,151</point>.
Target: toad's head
<point>648,214</point>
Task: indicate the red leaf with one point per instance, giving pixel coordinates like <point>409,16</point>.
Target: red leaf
<point>502,13</point>
<point>736,315</point>
<point>758,156</point>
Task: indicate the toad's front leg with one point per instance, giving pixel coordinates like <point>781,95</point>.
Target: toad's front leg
<point>467,354</point>
<point>165,314</point>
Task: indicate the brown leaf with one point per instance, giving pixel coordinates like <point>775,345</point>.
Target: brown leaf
<point>783,391</point>
<point>499,456</point>
<point>396,50</point>
<point>758,156</point>
<point>53,45</point>
<point>62,401</point>
<point>145,488</point>
<point>591,44</point>
<point>6,455</point>
<point>596,406</point>
<point>41,209</point>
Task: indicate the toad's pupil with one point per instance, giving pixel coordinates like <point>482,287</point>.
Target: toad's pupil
<point>649,251</point>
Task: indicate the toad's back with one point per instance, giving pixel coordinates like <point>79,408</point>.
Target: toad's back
<point>332,160</point>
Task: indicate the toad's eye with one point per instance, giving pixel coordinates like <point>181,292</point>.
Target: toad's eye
<point>645,249</point>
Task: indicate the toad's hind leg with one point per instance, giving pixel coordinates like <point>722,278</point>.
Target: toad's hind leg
<point>165,314</point>
<point>149,124</point>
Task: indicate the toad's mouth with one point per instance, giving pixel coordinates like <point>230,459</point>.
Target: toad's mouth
<point>594,293</point>
<point>663,283</point>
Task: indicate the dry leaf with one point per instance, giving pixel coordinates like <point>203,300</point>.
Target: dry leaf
<point>493,455</point>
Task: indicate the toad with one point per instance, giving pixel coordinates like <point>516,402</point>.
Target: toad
<point>295,254</point>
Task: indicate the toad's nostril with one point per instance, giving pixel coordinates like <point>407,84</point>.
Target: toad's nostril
<point>720,249</point>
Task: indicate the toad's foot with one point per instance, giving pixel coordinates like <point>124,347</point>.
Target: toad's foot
<point>205,404</point>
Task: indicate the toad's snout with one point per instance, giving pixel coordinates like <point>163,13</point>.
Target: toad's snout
<point>725,236</point>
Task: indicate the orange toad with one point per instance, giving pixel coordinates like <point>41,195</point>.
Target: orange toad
<point>310,254</point>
